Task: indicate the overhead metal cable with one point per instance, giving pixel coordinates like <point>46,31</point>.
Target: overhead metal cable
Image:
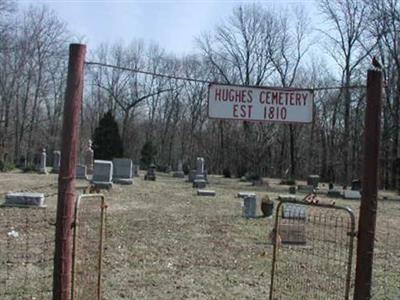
<point>91,63</point>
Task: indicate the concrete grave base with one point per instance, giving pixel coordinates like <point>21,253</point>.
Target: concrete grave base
<point>102,185</point>
<point>206,193</point>
<point>124,181</point>
<point>199,183</point>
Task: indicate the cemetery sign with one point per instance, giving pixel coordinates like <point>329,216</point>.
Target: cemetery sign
<point>265,104</point>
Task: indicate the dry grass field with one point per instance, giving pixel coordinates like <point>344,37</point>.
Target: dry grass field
<point>165,242</point>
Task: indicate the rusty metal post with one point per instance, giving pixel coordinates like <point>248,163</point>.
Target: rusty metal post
<point>368,208</point>
<point>66,177</point>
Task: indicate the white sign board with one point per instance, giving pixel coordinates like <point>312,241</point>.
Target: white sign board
<point>264,104</point>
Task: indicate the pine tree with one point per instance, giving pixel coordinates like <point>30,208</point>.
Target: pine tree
<point>148,153</point>
<point>107,142</point>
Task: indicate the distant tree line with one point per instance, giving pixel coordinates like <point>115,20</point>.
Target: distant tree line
<point>256,45</point>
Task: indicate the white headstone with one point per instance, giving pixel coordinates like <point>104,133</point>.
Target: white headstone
<point>89,157</point>
<point>200,165</point>
<point>81,172</point>
<point>102,173</point>
<point>56,161</point>
<point>122,170</point>
<point>42,167</point>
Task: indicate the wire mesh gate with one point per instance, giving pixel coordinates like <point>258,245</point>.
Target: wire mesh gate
<point>313,251</point>
<point>88,246</point>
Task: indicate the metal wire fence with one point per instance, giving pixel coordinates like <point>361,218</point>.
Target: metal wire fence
<point>313,251</point>
<point>26,253</point>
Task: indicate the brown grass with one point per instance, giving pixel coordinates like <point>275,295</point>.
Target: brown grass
<point>165,242</point>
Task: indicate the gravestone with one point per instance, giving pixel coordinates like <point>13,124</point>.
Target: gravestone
<point>191,175</point>
<point>179,173</point>
<point>294,211</point>
<point>122,170</point>
<point>313,180</point>
<point>206,193</point>
<point>89,157</point>
<point>351,195</point>
<point>102,174</point>
<point>245,194</point>
<point>199,183</point>
<point>356,185</point>
<point>305,188</point>
<point>200,165</point>
<point>331,186</point>
<point>25,199</point>
<point>292,189</point>
<point>81,172</point>
<point>135,170</point>
<point>56,161</point>
<point>249,207</point>
<point>334,193</point>
<point>292,233</point>
<point>151,173</point>
<point>42,166</point>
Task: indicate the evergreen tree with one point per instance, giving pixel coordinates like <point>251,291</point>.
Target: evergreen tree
<point>148,153</point>
<point>107,142</point>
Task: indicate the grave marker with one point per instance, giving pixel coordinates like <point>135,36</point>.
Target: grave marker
<point>56,161</point>
<point>42,167</point>
<point>81,172</point>
<point>249,207</point>
<point>122,170</point>
<point>24,199</point>
<point>89,157</point>
<point>102,174</point>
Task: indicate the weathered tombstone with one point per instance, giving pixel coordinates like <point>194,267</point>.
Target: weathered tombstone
<point>89,157</point>
<point>351,195</point>
<point>199,183</point>
<point>122,170</point>
<point>331,186</point>
<point>25,199</point>
<point>356,185</point>
<point>313,180</point>
<point>293,233</point>
<point>151,173</point>
<point>334,193</point>
<point>191,175</point>
<point>249,207</point>
<point>102,174</point>
<point>179,173</point>
<point>56,161</point>
<point>135,170</point>
<point>305,188</point>
<point>200,165</point>
<point>81,172</point>
<point>206,193</point>
<point>245,194</point>
<point>294,211</point>
<point>292,189</point>
<point>42,167</point>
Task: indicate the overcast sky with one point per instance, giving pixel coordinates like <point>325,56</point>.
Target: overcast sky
<point>173,24</point>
